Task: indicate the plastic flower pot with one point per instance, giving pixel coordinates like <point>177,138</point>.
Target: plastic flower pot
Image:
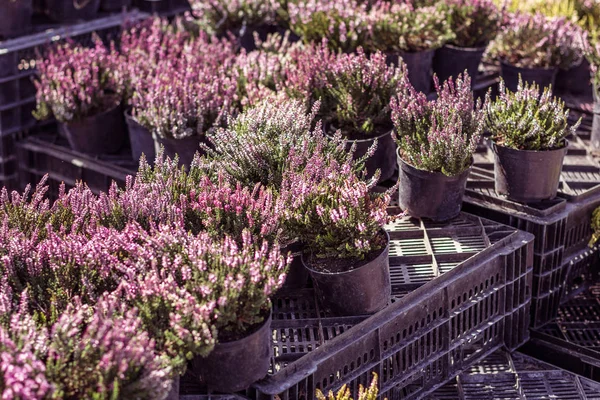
<point>450,61</point>
<point>185,148</point>
<point>15,17</point>
<point>419,66</point>
<point>103,133</point>
<point>247,35</point>
<point>544,77</point>
<point>432,195</point>
<point>576,80</point>
<point>235,365</point>
<point>360,291</point>
<point>297,276</point>
<point>527,176</point>
<point>141,140</point>
<point>114,5</point>
<point>72,10</point>
<point>384,158</point>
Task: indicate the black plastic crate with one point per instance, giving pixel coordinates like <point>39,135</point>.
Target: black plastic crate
<point>517,376</point>
<point>41,155</point>
<point>572,341</point>
<point>460,292</point>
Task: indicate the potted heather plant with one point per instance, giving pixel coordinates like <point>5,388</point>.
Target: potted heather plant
<point>184,99</point>
<point>436,141</point>
<point>369,393</point>
<point>71,10</point>
<point>340,222</point>
<point>241,17</point>
<point>535,47</point>
<point>340,22</point>
<point>412,33</point>
<point>529,131</point>
<point>15,18</point>
<point>474,24</point>
<point>82,88</point>
<point>355,93</point>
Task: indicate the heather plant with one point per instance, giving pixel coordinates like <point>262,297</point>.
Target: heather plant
<point>527,119</point>
<point>537,41</point>
<point>331,210</point>
<point>355,94</point>
<point>340,22</point>
<point>75,82</point>
<point>595,224</point>
<point>474,22</point>
<point>256,146</point>
<point>401,27</point>
<point>369,393</point>
<point>103,353</point>
<point>593,56</point>
<point>441,135</point>
<point>219,16</point>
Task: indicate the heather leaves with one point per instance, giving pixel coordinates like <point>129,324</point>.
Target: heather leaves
<point>528,119</point>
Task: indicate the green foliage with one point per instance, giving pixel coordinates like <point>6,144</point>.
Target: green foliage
<point>475,23</point>
<point>526,120</point>
<point>344,393</point>
<point>595,227</point>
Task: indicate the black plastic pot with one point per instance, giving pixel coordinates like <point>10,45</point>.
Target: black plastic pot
<point>576,80</point>
<point>114,5</point>
<point>141,140</point>
<point>527,176</point>
<point>544,77</point>
<point>384,158</point>
<point>449,61</point>
<point>432,195</point>
<point>15,17</point>
<point>297,276</point>
<point>247,35</point>
<point>72,10</point>
<point>234,366</point>
<point>361,291</point>
<point>419,66</point>
<point>102,133</point>
<point>185,148</point>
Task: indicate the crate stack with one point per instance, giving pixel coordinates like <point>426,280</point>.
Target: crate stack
<point>562,226</point>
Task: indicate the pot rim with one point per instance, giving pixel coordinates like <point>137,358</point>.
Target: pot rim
<point>565,147</point>
<point>438,175</point>
<point>467,49</point>
<point>505,63</point>
<point>383,251</point>
<point>328,134</point>
<point>399,53</point>
<point>116,106</point>
<point>266,323</point>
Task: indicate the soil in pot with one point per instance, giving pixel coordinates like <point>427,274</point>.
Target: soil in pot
<point>527,176</point>
<point>236,364</point>
<point>15,18</point>
<point>72,10</point>
<point>114,5</point>
<point>185,148</point>
<point>419,66</point>
<point>103,133</point>
<point>431,195</point>
<point>544,77</point>
<point>384,157</point>
<point>576,80</point>
<point>450,61</point>
<point>352,287</point>
<point>141,140</point>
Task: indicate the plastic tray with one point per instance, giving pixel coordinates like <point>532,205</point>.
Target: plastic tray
<point>517,377</point>
<point>572,340</point>
<point>41,155</point>
<point>460,291</point>
<point>17,67</point>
